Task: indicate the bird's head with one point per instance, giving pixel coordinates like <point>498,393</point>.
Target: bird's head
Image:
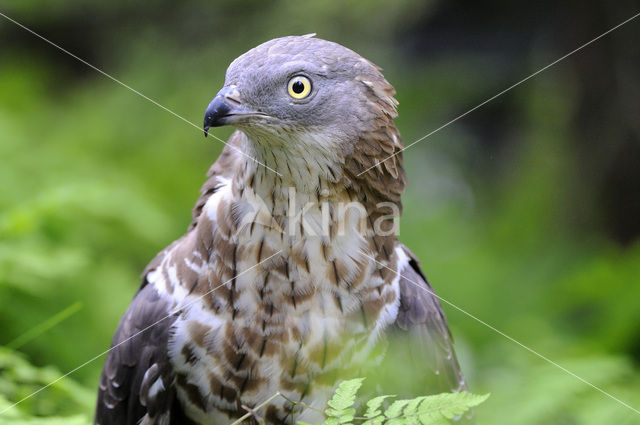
<point>303,91</point>
<point>314,110</point>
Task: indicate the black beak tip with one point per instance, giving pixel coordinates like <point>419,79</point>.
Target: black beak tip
<point>215,114</point>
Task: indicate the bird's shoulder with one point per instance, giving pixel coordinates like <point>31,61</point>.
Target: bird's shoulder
<point>222,170</point>
<point>219,175</point>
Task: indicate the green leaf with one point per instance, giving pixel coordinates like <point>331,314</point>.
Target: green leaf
<point>412,406</point>
<point>373,406</point>
<point>395,409</point>
<point>374,414</point>
<point>437,408</point>
<point>345,394</point>
<point>340,410</point>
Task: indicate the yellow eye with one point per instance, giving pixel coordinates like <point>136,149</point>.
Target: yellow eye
<point>299,87</point>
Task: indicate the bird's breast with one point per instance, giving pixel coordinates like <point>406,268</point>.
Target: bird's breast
<point>264,311</point>
<point>286,336</point>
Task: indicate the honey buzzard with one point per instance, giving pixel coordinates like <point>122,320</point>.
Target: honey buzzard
<point>290,276</point>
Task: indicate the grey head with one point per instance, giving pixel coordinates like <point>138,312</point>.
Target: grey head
<point>302,90</point>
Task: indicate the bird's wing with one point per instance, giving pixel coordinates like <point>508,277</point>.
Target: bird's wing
<point>137,379</point>
<point>420,314</point>
<point>136,385</point>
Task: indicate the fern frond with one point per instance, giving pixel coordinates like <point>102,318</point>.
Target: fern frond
<point>425,410</point>
<point>396,408</point>
<point>340,410</point>
<point>438,409</point>
<point>374,413</point>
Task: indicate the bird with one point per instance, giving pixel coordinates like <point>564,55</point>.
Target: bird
<point>290,276</point>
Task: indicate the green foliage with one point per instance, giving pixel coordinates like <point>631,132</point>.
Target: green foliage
<point>426,410</point>
<point>44,326</point>
<point>95,181</point>
<point>374,414</point>
<point>554,397</point>
<point>341,410</point>
<point>64,402</point>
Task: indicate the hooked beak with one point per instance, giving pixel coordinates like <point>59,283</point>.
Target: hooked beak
<point>215,114</point>
<point>218,109</point>
<point>226,108</point>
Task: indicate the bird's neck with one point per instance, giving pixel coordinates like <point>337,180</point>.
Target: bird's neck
<point>277,170</point>
<point>296,176</point>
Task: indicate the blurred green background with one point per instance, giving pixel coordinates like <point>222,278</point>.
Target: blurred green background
<point>525,213</point>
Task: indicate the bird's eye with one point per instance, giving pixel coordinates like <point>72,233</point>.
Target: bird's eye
<point>299,87</point>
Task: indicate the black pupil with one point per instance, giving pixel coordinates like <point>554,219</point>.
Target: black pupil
<point>297,87</point>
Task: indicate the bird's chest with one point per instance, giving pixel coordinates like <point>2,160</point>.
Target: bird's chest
<point>271,310</point>
<point>298,341</point>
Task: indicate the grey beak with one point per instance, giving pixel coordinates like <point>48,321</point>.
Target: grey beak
<point>215,114</point>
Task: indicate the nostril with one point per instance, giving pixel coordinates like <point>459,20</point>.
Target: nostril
<point>232,94</point>
<point>231,99</point>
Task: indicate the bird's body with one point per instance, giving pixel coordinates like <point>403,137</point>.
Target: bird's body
<point>290,274</point>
